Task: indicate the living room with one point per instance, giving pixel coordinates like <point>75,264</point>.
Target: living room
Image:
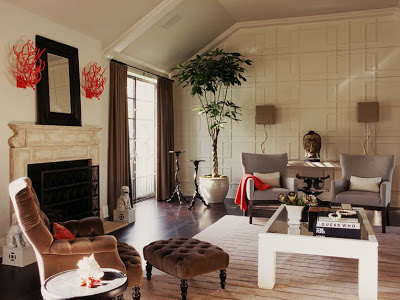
<point>320,89</point>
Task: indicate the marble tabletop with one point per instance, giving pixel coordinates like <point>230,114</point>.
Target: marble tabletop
<point>66,285</point>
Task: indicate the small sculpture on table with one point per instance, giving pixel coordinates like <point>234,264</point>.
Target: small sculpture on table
<point>15,237</point>
<point>177,190</point>
<point>312,146</point>
<point>196,191</point>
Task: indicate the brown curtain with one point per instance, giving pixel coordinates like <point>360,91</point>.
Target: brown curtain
<point>118,135</point>
<point>165,140</point>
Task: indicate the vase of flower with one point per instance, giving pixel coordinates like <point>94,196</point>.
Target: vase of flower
<point>294,206</point>
<point>294,213</point>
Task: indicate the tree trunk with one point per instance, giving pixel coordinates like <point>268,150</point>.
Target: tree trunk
<point>215,155</point>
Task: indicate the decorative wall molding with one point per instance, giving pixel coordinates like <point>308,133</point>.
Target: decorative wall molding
<point>296,20</point>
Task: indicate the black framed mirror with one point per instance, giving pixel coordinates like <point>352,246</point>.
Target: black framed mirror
<point>58,92</point>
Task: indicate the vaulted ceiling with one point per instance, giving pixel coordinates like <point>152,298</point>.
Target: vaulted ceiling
<point>162,33</point>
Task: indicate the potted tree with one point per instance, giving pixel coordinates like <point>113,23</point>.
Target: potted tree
<point>210,76</point>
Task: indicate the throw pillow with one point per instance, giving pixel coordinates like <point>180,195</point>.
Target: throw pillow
<point>365,184</point>
<point>273,179</point>
<point>62,233</point>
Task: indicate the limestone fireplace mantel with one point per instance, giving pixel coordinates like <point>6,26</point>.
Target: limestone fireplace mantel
<point>32,144</point>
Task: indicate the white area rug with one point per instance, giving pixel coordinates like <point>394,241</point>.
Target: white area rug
<point>297,276</point>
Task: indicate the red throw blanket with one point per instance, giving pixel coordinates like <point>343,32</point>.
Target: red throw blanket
<point>241,192</point>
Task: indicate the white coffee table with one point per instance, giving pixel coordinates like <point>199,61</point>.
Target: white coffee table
<point>275,237</point>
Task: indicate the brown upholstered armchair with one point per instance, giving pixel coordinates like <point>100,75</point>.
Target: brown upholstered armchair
<point>54,256</point>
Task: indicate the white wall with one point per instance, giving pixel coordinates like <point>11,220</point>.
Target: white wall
<point>314,74</point>
<point>19,105</point>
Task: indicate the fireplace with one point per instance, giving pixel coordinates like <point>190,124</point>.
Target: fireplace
<point>61,155</point>
<point>66,190</point>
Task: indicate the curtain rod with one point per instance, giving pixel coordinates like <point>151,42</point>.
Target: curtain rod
<point>142,70</point>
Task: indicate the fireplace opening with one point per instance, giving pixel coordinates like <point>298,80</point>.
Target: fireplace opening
<point>66,190</point>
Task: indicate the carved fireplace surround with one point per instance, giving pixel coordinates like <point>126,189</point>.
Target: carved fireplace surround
<point>32,144</point>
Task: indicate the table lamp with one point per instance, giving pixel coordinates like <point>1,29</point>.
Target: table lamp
<point>265,114</point>
<point>367,112</point>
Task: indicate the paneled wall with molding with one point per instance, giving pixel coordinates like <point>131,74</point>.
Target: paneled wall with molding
<point>314,73</point>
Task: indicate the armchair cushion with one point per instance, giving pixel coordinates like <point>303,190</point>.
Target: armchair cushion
<point>365,184</point>
<point>273,179</point>
<point>104,243</point>
<point>87,227</point>
<point>359,198</point>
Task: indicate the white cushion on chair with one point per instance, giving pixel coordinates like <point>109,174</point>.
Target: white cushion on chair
<point>365,184</point>
<point>273,179</point>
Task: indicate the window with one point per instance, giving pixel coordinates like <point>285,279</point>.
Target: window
<point>142,95</point>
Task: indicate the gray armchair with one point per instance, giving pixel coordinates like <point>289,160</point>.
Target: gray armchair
<point>366,166</point>
<point>266,163</point>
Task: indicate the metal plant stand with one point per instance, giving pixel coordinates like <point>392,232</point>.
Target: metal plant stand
<point>196,192</point>
<point>177,191</point>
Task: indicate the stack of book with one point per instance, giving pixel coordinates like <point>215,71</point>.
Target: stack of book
<point>346,227</point>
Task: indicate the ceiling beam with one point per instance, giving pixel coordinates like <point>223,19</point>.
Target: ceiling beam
<point>141,27</point>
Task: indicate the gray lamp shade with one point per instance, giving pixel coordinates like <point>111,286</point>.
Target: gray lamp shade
<point>265,114</point>
<point>367,112</point>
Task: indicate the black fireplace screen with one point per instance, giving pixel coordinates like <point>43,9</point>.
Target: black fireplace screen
<point>68,194</point>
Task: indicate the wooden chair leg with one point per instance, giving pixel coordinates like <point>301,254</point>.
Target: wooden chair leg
<point>184,288</point>
<point>388,215</point>
<point>384,211</point>
<point>149,267</point>
<point>250,210</point>
<point>222,277</point>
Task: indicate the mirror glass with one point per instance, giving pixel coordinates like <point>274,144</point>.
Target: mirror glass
<point>59,84</point>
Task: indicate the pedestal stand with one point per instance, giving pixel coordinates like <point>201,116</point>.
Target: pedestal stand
<point>196,192</point>
<point>177,191</point>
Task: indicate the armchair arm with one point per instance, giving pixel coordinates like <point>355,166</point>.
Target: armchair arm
<point>250,189</point>
<point>338,186</point>
<point>385,192</point>
<point>99,244</point>
<point>87,227</point>
<point>290,183</point>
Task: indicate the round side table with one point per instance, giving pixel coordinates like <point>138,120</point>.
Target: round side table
<point>66,285</point>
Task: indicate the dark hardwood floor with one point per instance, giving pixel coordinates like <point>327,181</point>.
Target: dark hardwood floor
<point>154,221</point>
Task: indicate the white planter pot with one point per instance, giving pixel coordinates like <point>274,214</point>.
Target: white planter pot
<point>294,214</point>
<point>214,190</point>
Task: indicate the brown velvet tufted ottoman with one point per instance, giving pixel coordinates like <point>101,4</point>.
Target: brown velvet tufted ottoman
<point>133,263</point>
<point>185,258</point>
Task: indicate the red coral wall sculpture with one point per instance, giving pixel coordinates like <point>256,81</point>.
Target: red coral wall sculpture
<point>29,66</point>
<point>94,81</point>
